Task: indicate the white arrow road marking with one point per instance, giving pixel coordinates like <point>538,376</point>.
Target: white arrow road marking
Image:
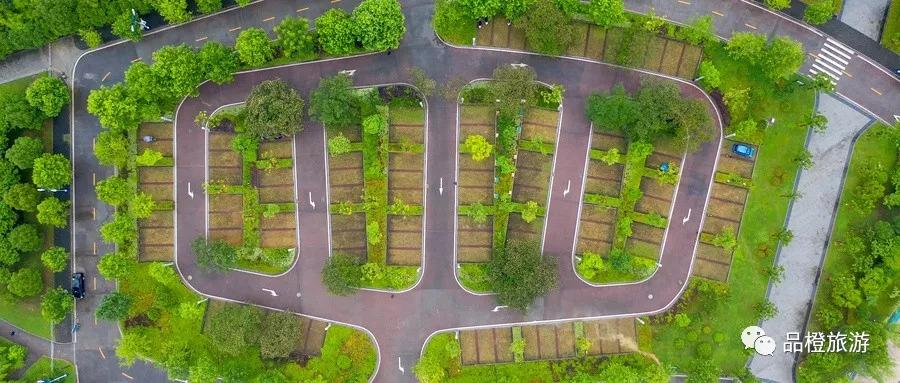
<point>349,72</point>
<point>311,203</point>
<point>441,187</point>
<point>400,366</point>
<point>519,65</point>
<point>497,308</point>
<point>568,188</point>
<point>688,218</point>
<point>190,193</point>
<point>270,291</point>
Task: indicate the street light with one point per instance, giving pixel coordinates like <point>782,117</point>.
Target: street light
<point>53,190</point>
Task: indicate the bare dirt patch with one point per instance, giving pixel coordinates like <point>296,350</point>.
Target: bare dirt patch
<point>474,240</point>
<point>404,240</point>
<point>348,234</point>
<point>532,177</point>
<point>405,178</point>
<point>596,230</point>
<point>603,179</point>
<point>345,174</point>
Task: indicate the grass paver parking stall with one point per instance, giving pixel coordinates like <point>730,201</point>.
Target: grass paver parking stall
<point>155,177</point>
<point>503,191</point>
<point>376,188</point>
<point>251,194</point>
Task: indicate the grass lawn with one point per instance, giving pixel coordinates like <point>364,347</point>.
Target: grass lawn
<point>890,36</point>
<point>41,370</point>
<point>26,314</point>
<point>870,147</point>
<point>764,215</point>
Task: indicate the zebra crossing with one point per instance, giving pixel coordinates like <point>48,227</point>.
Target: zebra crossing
<point>832,60</point>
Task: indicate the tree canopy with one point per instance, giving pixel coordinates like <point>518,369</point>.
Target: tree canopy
<point>56,305</point>
<point>335,31</point>
<point>52,171</point>
<point>379,24</point>
<point>519,274</point>
<point>334,103</point>
<point>273,110</point>
<point>49,94</point>
<point>51,211</point>
<point>219,62</point>
<point>113,190</point>
<point>605,13</point>
<point>214,255</point>
<point>547,28</point>
<point>254,47</point>
<point>24,151</point>
<point>55,259</point>
<point>295,38</point>
<point>114,306</point>
<point>24,197</point>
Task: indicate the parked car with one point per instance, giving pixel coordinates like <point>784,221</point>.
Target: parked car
<point>743,150</point>
<point>78,285</point>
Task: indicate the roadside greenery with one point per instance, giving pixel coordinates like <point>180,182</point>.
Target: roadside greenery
<point>890,34</point>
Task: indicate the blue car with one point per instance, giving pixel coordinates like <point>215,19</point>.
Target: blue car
<point>743,150</point>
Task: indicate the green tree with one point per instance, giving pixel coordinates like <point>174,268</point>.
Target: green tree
<point>376,124</point>
<point>817,122</point>
<point>8,218</point>
<point>513,9</point>
<point>821,82</point>
<point>24,151</point>
<point>234,328</point>
<point>279,335</point>
<point>844,292</point>
<point>16,113</point>
<point>55,259</point>
<point>379,24</point>
<point>481,8</point>
<point>591,265</point>
<point>114,107</point>
<point>51,211</point>
<point>219,62</point>
<point>783,58</point>
<point>119,230</point>
<point>334,29</point>
<point>341,274</point>
<point>253,47</point>
<point>273,110</point>
<point>511,85</point>
<point>148,157</point>
<point>26,282</point>
<point>530,211</point>
<point>295,38</point>
<point>124,28</point>
<point>214,255</point>
<point>819,12</point>
<point>8,256</point>
<point>179,70</point>
<point>547,29</point>
<point>519,274</point>
<point>338,145</point>
<point>606,13</point>
<point>114,306</point>
<point>174,11</point>
<point>699,30</point>
<point>333,103</point>
<point>778,4</point>
<point>804,158</point>
<point>25,238</point>
<point>56,305</point>
<point>209,6</point>
<point>746,129</point>
<point>146,88</point>
<point>141,205</point>
<point>710,75</point>
<point>429,370</point>
<point>737,100</point>
<point>747,46</point>
<point>49,94</point>
<point>116,265</point>
<point>614,111</point>
<point>479,147</point>
<point>420,80</point>
<point>113,190</point>
<point>24,197</point>
<point>52,171</point>
<point>91,37</point>
<point>112,148</point>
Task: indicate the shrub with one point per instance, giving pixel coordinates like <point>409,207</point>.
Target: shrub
<point>530,211</point>
<point>55,259</point>
<point>479,147</point>
<point>90,37</point>
<point>375,124</point>
<point>710,75</point>
<point>620,261</point>
<point>141,205</point>
<point>505,165</point>
<point>253,47</point>
<point>478,213</point>
<point>726,239</point>
<point>341,274</point>
<point>114,306</point>
<point>591,265</point>
<point>611,156</point>
<point>582,346</point>
<point>214,255</point>
<point>819,12</point>
<point>148,157</point>
<point>373,233</point>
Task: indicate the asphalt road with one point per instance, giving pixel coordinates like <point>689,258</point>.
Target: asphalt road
<point>437,302</point>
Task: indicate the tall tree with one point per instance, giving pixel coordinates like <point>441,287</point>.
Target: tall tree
<point>25,238</point>
<point>114,107</point>
<point>174,11</point>
<point>547,28</point>
<point>56,305</point>
<point>783,59</point>
<point>51,211</point>
<point>178,69</point>
<point>333,103</point>
<point>519,274</point>
<point>17,113</point>
<point>379,24</point>
<point>26,282</point>
<point>113,190</point>
<point>114,306</point>
<point>254,47</point>
<point>273,110</point>
<point>49,94</point>
<point>24,197</point>
<point>614,111</point>
<point>112,149</point>
<point>511,85</point>
<point>481,8</point>
<point>116,265</point>
<point>145,85</point>
<point>335,31</point>
<point>52,171</point>
<point>24,151</point>
<point>55,259</point>
<point>219,62</point>
<point>295,38</point>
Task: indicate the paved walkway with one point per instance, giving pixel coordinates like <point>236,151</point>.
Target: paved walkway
<point>810,218</point>
<point>36,345</point>
<point>865,16</point>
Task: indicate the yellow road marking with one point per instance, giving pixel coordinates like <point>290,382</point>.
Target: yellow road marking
<point>98,347</point>
<point>201,39</point>
<point>846,73</point>
<point>749,26</point>
<point>269,19</point>
<point>335,1</point>
<point>234,29</point>
<point>718,13</point>
<point>95,248</point>
<point>302,9</point>
<point>95,283</point>
<point>94,177</point>
<point>684,2</point>
<point>876,91</point>
<point>127,376</point>
<point>94,213</point>
<point>136,60</point>
<point>105,76</point>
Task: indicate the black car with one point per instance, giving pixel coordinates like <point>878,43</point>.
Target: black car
<point>78,285</point>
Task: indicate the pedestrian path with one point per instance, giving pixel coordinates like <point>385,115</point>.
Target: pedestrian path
<point>832,60</point>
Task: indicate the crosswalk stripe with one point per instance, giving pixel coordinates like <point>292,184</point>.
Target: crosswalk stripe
<point>839,45</point>
<point>832,49</point>
<point>826,72</point>
<point>840,66</point>
<point>834,56</point>
<point>829,67</point>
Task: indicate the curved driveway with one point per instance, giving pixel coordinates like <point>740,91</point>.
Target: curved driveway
<point>400,322</point>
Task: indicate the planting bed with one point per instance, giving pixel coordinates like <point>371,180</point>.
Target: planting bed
<point>376,190</point>
<point>224,164</point>
<point>156,233</point>
<point>661,54</point>
<point>483,188</point>
<point>225,222</point>
<point>547,341</point>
